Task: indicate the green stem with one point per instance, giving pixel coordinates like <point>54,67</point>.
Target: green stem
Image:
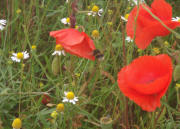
<point>22,69</point>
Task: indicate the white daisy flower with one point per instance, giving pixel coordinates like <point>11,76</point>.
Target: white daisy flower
<point>176,19</point>
<point>59,53</point>
<point>95,11</point>
<point>70,97</point>
<point>2,24</point>
<point>128,39</point>
<point>17,57</point>
<point>100,12</point>
<point>135,2</point>
<point>65,20</point>
<point>125,18</point>
<point>58,50</point>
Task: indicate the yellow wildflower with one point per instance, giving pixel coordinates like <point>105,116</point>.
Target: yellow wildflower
<point>166,44</point>
<point>54,114</point>
<point>33,47</point>
<point>95,33</point>
<point>17,124</point>
<point>95,8</point>
<point>60,107</point>
<point>18,11</point>
<point>156,50</point>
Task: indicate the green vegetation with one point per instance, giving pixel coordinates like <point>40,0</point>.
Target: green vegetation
<point>23,85</point>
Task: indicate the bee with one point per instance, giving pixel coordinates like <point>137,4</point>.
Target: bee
<point>98,55</point>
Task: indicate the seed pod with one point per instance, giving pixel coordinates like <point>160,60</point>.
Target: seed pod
<point>177,73</point>
<point>56,65</point>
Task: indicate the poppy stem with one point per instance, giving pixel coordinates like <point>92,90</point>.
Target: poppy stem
<point>124,60</point>
<point>89,79</point>
<point>73,14</point>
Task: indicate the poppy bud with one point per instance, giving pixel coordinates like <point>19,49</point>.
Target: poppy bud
<point>177,73</point>
<point>45,99</point>
<point>56,65</point>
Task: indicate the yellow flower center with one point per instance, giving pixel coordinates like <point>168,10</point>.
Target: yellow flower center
<point>95,8</point>
<point>178,20</point>
<point>54,114</point>
<point>89,7</point>
<point>77,74</point>
<point>41,84</point>
<point>18,11</point>
<point>17,124</point>
<point>70,95</point>
<point>110,12</point>
<point>20,55</point>
<point>76,26</point>
<point>60,107</point>
<point>33,47</point>
<point>58,47</point>
<point>139,50</point>
<point>68,20</point>
<point>109,23</point>
<point>166,43</point>
<point>95,33</point>
<point>126,16</point>
<point>178,85</point>
<point>156,50</point>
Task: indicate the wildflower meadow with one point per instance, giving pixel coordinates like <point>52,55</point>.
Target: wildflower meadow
<point>90,64</point>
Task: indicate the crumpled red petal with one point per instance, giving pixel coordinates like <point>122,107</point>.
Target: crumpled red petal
<point>75,42</point>
<point>146,80</point>
<point>68,37</point>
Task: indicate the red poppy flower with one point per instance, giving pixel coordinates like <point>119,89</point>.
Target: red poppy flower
<point>146,80</point>
<point>147,27</point>
<point>75,42</point>
<point>45,99</point>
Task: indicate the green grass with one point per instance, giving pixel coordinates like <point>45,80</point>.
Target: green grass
<point>101,96</point>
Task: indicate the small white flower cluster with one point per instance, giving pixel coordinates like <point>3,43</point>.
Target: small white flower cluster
<point>177,19</point>
<point>135,2</point>
<point>128,39</point>
<point>99,13</point>
<point>17,57</point>
<point>2,24</point>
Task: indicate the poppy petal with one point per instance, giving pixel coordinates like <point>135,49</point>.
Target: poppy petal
<point>143,19</point>
<point>156,76</point>
<point>147,34</point>
<point>162,9</point>
<point>81,50</point>
<point>146,102</point>
<point>68,37</point>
